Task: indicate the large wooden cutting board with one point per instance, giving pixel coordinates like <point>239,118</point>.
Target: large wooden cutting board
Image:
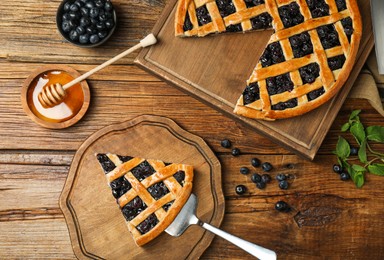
<point>214,69</point>
<point>96,226</point>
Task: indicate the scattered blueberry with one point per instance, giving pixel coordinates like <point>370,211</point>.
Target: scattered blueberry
<point>266,178</point>
<point>344,176</point>
<point>337,168</point>
<point>261,185</point>
<point>244,170</point>
<point>281,177</point>
<point>283,185</point>
<point>266,166</point>
<point>282,206</point>
<point>256,178</point>
<point>240,189</point>
<point>226,143</point>
<point>255,162</point>
<point>235,151</point>
<point>354,150</point>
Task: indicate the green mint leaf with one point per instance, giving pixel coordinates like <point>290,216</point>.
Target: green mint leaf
<point>363,152</point>
<point>375,133</point>
<point>377,169</point>
<point>342,148</point>
<point>357,175</point>
<point>357,130</point>
<point>354,115</point>
<point>345,127</point>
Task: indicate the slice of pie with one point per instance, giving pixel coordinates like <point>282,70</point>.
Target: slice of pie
<point>307,60</point>
<point>150,193</point>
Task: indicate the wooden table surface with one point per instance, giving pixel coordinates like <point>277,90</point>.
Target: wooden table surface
<point>329,218</point>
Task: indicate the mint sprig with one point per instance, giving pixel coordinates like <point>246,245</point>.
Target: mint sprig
<point>369,161</point>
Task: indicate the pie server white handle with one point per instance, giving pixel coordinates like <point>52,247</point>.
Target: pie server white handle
<point>377,12</point>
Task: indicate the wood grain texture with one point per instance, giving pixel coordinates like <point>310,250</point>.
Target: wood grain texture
<point>214,70</point>
<point>34,161</point>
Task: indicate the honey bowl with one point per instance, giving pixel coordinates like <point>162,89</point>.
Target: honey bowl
<point>65,114</point>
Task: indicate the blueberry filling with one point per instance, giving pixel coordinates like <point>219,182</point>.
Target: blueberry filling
<point>133,208</point>
<point>328,36</point>
<point>120,186</point>
<point>284,105</point>
<point>252,3</point>
<point>203,16</point>
<point>142,171</point>
<point>234,28</point>
<point>262,21</point>
<point>341,5</point>
<point>318,8</point>
<point>336,62</point>
<point>226,7</point>
<point>125,158</point>
<point>148,224</point>
<point>290,15</point>
<point>168,205</point>
<point>187,23</point>
<point>315,94</point>
<point>251,93</point>
<point>106,163</point>
<point>158,190</point>
<point>348,27</point>
<point>301,44</point>
<point>180,176</point>
<point>279,84</point>
<point>273,54</point>
<point>309,73</point>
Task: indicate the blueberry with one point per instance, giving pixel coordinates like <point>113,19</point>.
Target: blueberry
<point>281,177</point>
<point>66,26</point>
<point>283,185</point>
<point>108,6</point>
<point>240,189</point>
<point>354,150</point>
<point>109,23</point>
<point>100,26</point>
<point>337,168</point>
<point>67,6</point>
<point>94,12</point>
<point>282,206</point>
<point>84,11</point>
<point>255,162</point>
<point>80,30</point>
<point>102,34</point>
<point>266,178</point>
<point>235,152</point>
<point>74,35</point>
<point>266,166</point>
<point>74,15</point>
<point>65,17</point>
<point>261,185</point>
<point>74,8</point>
<point>226,143</point>
<point>84,38</point>
<point>84,21</point>
<point>99,3</point>
<point>256,178</point>
<point>90,4</point>
<point>244,170</point>
<point>344,176</point>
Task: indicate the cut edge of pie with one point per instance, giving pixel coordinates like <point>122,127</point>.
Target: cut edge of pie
<point>301,97</point>
<point>147,191</point>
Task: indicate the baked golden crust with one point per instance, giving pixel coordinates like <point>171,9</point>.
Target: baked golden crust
<point>178,194</point>
<point>330,80</point>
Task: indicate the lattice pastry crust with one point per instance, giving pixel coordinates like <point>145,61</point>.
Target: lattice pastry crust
<point>150,193</point>
<point>307,60</point>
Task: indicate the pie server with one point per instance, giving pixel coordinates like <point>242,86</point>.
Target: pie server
<point>187,217</point>
<point>377,11</point>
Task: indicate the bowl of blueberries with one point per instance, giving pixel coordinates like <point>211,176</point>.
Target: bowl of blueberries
<point>86,23</point>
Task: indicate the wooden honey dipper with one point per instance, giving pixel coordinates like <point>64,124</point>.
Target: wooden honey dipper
<point>54,94</point>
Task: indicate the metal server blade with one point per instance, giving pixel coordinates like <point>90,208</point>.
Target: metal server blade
<point>377,10</point>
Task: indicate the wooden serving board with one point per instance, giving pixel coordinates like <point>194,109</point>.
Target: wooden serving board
<point>96,226</point>
<point>214,69</point>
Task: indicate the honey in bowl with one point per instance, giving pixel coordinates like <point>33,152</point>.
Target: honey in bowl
<point>64,111</point>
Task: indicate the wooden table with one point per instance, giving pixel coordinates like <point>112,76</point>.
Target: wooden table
<point>330,218</point>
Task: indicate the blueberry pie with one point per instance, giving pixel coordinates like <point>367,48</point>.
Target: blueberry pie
<point>150,193</point>
<point>307,59</point>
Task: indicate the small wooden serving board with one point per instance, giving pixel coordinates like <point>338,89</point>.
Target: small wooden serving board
<point>214,69</point>
<point>96,226</point>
